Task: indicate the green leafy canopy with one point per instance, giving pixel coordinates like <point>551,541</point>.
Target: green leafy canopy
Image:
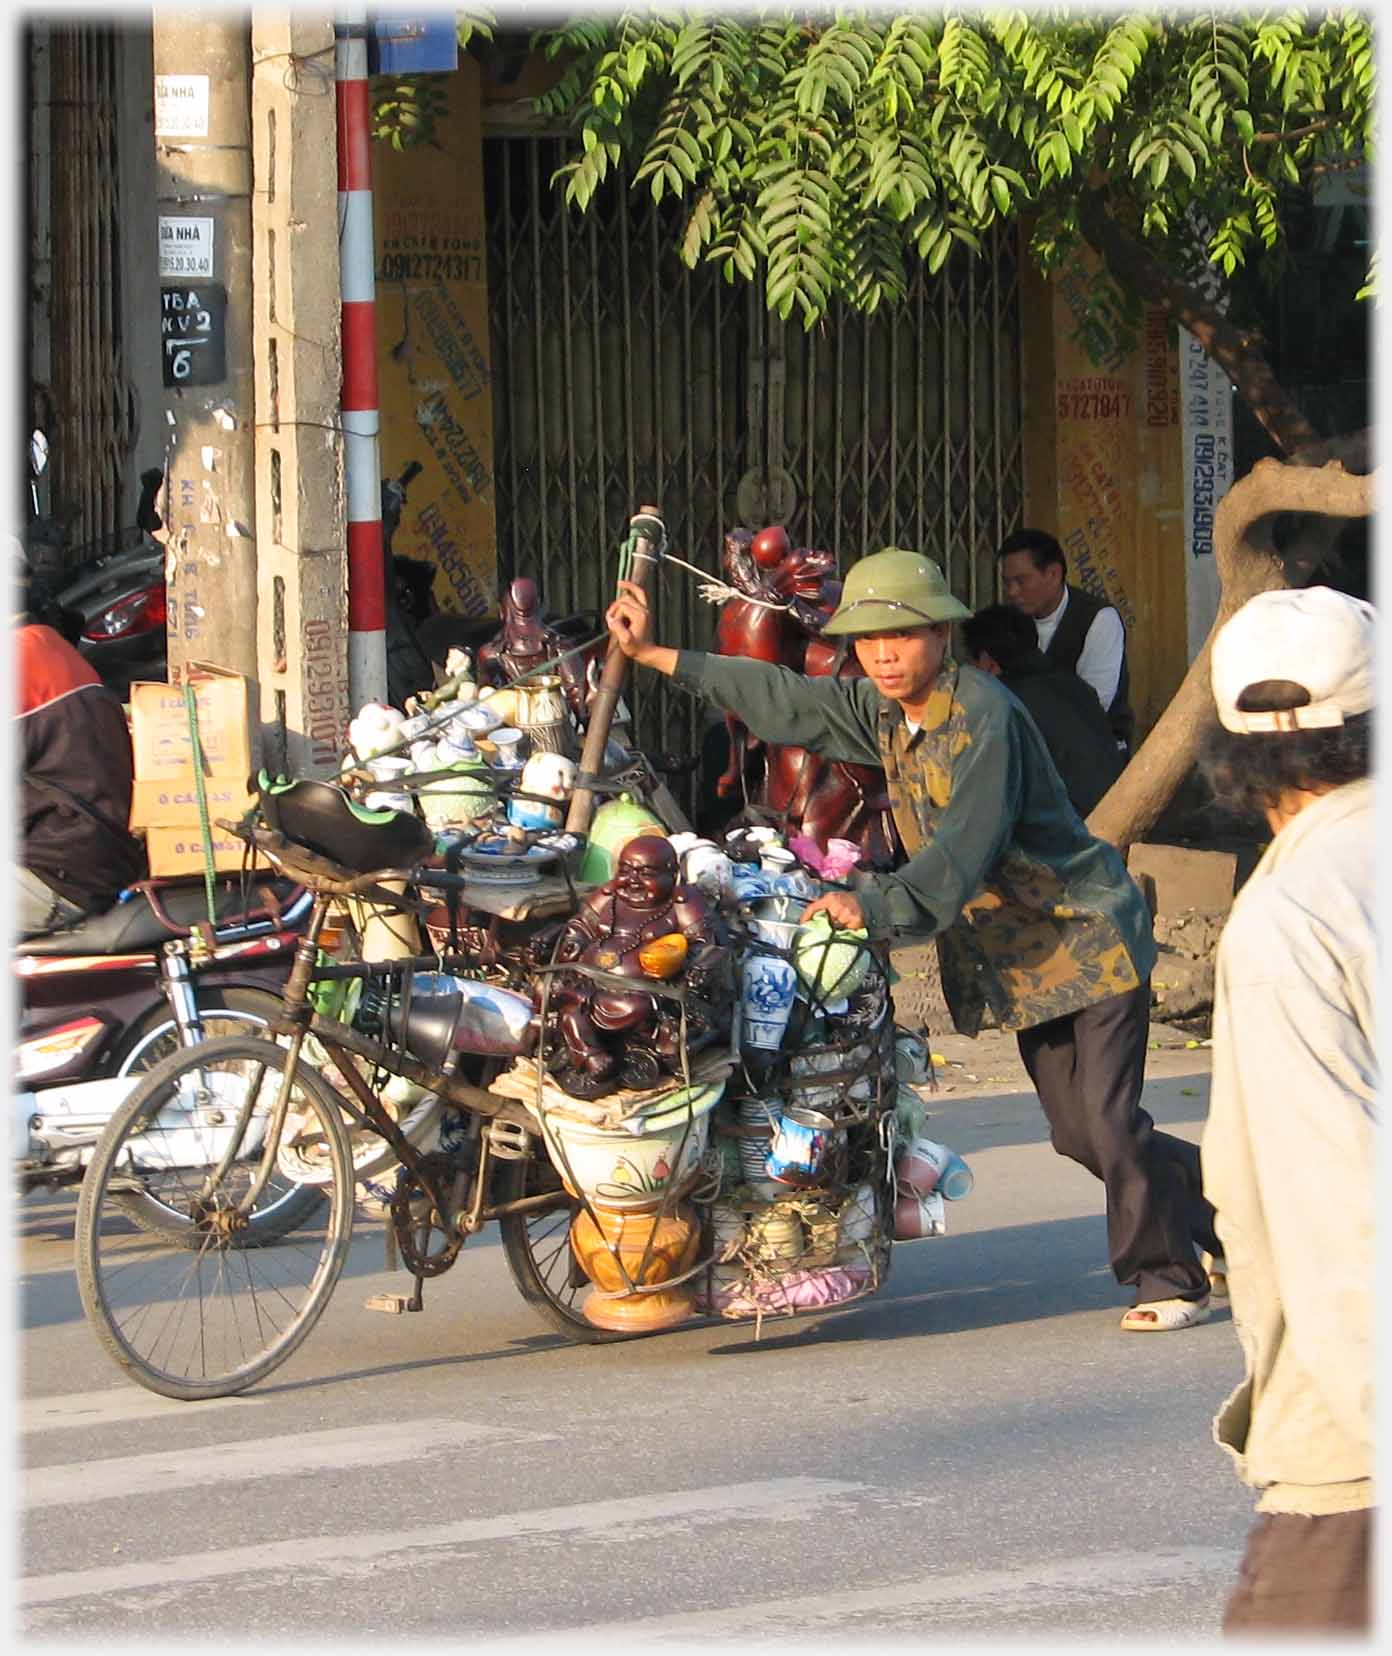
<point>822,151</point>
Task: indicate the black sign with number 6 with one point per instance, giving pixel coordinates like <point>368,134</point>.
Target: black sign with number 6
<point>193,323</point>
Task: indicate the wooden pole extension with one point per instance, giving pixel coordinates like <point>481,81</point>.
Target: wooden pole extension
<point>650,536</point>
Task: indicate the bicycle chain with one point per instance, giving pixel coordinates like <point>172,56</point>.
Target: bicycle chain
<point>425,1261</point>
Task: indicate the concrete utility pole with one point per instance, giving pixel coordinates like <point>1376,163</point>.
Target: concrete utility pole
<point>301,504</point>
<point>203,167</point>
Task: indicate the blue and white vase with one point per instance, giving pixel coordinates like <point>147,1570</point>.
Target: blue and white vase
<point>768,986</point>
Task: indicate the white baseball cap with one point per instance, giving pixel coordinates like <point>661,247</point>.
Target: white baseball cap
<point>1317,638</point>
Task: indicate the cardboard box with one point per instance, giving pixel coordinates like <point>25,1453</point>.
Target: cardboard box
<point>180,850</point>
<point>175,804</point>
<point>160,737</point>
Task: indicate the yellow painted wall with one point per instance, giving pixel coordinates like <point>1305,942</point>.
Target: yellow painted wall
<point>433,348</point>
<point>1102,463</point>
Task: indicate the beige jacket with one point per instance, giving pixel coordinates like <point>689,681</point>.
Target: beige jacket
<point>1289,1158</point>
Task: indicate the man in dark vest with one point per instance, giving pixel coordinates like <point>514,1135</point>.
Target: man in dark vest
<point>1000,640</point>
<point>1076,631</point>
<point>1037,921</point>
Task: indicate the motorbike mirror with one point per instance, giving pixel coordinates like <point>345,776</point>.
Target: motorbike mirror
<point>38,452</point>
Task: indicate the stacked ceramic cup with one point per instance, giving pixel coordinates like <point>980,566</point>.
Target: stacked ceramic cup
<point>927,1174</point>
<point>756,1112</point>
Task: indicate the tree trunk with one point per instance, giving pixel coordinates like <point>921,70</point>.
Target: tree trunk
<point>1249,562</point>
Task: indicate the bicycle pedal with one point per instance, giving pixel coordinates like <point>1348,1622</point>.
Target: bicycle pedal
<point>393,1304</point>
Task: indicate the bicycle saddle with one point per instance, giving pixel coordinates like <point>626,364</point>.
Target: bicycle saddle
<point>321,817</point>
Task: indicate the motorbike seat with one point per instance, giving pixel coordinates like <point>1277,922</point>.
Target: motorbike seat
<point>132,926</point>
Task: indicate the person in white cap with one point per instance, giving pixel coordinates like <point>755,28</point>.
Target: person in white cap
<point>1289,1148</point>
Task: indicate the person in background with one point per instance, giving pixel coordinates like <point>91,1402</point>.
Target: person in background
<point>76,777</point>
<point>1289,1149</point>
<point>1036,920</point>
<point>1001,641</point>
<point>1075,631</point>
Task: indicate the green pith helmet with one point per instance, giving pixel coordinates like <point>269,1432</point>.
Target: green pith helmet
<point>891,591</point>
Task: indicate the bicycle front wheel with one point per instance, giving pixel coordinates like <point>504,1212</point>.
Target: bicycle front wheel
<point>209,1302</point>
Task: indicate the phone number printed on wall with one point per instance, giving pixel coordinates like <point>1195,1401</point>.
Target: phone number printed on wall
<point>430,267</point>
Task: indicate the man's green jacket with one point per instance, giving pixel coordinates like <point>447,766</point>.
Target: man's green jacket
<point>1034,917</point>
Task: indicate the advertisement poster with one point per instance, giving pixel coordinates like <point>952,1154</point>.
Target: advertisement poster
<point>433,349</point>
<point>1117,436</point>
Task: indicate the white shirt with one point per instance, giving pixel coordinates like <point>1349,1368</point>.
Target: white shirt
<point>1290,1157</point>
<point>1100,662</point>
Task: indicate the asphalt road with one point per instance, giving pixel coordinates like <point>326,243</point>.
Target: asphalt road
<point>978,1452</point>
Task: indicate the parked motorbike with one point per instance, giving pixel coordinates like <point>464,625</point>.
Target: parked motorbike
<point>104,1002</point>
<point>108,597</point>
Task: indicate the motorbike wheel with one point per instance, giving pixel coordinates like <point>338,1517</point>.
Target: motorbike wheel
<point>155,1037</point>
<point>195,1309</point>
<point>537,1248</point>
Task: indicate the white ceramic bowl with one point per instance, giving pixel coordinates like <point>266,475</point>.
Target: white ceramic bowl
<point>479,718</point>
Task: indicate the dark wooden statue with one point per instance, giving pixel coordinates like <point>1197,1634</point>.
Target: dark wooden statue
<point>627,1037</point>
<point>525,642</point>
<point>788,595</point>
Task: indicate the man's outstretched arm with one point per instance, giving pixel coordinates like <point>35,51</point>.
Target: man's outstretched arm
<point>829,717</point>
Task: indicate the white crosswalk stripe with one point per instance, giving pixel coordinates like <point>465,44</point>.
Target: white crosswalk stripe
<point>346,1555</point>
<point>112,1406</point>
<point>1048,1586</point>
<point>274,1457</point>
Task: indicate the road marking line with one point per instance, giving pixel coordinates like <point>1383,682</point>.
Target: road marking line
<point>111,1406</point>
<point>274,1457</point>
<point>345,1555</point>
<point>939,1598</point>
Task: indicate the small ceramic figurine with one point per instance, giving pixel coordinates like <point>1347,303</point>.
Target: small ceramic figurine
<point>525,642</point>
<point>642,924</point>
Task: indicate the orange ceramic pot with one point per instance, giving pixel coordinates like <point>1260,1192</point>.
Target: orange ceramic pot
<point>671,1244</point>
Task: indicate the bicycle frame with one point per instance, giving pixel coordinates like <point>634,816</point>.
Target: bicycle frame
<point>342,1043</point>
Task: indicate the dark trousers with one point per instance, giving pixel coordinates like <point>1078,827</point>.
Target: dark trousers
<point>1304,1575</point>
<point>1088,1068</point>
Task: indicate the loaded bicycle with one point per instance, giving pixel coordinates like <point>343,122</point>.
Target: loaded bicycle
<point>674,1100</point>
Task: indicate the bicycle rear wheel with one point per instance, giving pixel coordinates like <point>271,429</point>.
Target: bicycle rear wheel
<point>536,1246</point>
<point>207,1304</point>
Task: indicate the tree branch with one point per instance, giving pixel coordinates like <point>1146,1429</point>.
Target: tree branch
<point>1248,563</point>
<point>1295,132</point>
<point>1231,347</point>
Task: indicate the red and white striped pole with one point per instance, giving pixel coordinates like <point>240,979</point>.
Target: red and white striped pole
<point>367,619</point>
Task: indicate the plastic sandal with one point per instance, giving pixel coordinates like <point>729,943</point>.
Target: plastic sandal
<point>1217,1269</point>
<point>1165,1316</point>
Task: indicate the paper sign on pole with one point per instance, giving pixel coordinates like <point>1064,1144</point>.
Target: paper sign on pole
<point>181,106</point>
<point>186,247</point>
<point>1206,423</point>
